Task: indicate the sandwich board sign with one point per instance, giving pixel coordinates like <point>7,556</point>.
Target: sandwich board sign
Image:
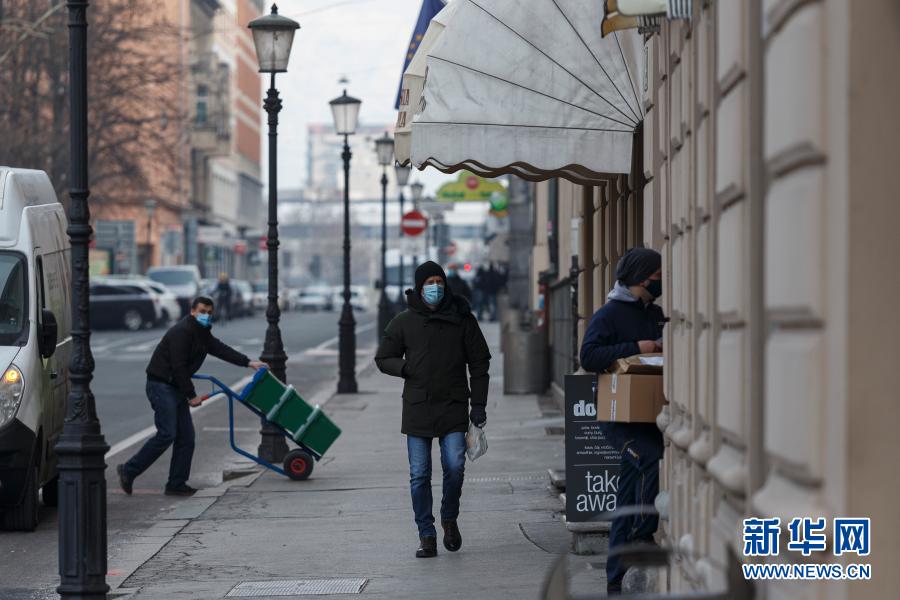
<point>592,462</point>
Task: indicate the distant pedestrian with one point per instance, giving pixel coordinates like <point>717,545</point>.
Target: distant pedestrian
<point>430,345</point>
<point>177,357</point>
<point>493,283</point>
<point>457,284</point>
<point>479,285</point>
<point>630,323</point>
<point>223,296</point>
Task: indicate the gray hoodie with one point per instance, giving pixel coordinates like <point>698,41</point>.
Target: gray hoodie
<point>621,293</point>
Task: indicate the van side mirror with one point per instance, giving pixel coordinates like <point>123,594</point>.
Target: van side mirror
<point>48,333</point>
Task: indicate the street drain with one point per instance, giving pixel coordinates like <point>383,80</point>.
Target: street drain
<point>297,587</point>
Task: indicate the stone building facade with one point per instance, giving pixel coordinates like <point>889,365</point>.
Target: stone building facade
<point>765,179</point>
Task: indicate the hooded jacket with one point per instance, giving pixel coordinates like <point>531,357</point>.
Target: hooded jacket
<point>431,350</point>
<point>613,333</point>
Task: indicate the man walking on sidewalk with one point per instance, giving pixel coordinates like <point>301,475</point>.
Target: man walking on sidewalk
<point>176,358</point>
<point>429,345</point>
<point>628,324</point>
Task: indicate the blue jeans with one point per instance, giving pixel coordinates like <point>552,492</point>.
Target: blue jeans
<point>453,462</point>
<point>172,416</point>
<point>638,485</point>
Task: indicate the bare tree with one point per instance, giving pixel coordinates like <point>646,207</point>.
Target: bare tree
<point>137,121</point>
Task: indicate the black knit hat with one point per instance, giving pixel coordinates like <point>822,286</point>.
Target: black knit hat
<point>426,270</point>
<point>637,265</point>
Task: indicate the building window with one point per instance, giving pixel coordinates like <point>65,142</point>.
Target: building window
<point>201,114</point>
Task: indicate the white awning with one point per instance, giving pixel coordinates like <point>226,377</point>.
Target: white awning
<point>414,82</point>
<point>529,88</point>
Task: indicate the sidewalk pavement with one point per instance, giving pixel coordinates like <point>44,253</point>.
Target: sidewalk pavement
<point>353,518</point>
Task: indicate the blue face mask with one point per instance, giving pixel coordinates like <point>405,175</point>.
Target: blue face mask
<point>204,320</point>
<point>433,293</point>
<point>451,272</point>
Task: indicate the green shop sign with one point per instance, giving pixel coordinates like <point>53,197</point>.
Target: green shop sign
<point>469,187</point>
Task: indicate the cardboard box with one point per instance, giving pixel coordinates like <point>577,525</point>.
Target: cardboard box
<point>633,393</point>
<point>640,364</point>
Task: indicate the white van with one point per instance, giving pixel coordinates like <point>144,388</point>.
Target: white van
<point>35,342</point>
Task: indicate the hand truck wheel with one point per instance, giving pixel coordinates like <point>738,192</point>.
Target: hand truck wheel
<point>298,464</point>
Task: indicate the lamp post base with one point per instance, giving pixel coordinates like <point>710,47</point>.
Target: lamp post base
<point>347,349</point>
<point>272,446</point>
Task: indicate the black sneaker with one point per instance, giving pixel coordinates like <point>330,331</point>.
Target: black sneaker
<point>125,481</point>
<point>181,490</point>
<point>452,536</point>
<point>427,547</point>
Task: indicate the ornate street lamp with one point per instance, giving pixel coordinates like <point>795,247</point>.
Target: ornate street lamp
<point>345,110</point>
<point>416,188</point>
<point>81,447</point>
<point>273,36</point>
<point>384,148</point>
<point>402,174</point>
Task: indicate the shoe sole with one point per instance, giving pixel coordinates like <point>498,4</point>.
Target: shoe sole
<point>120,471</point>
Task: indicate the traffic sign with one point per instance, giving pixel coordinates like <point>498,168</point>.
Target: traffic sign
<point>414,223</point>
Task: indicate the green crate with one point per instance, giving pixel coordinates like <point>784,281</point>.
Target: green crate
<point>284,407</point>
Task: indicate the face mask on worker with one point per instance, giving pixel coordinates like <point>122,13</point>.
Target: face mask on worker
<point>204,319</point>
<point>433,293</point>
<point>451,272</point>
<point>654,288</point>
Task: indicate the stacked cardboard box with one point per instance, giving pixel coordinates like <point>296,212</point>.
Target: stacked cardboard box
<point>633,391</point>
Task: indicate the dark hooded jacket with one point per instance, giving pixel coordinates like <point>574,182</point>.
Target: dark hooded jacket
<point>430,350</point>
<point>614,332</point>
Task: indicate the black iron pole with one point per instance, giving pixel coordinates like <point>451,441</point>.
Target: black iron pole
<point>384,305</point>
<point>81,447</point>
<point>272,446</point>
<point>347,324</point>
<point>400,296</point>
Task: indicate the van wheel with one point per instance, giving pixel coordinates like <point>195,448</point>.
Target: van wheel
<point>50,492</point>
<point>132,320</point>
<point>24,517</point>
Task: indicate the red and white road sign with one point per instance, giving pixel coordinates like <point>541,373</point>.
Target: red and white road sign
<point>414,223</point>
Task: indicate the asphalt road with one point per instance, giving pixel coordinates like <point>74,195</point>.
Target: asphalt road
<point>28,561</point>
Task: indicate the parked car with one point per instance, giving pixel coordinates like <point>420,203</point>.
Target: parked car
<point>261,296</point>
<point>128,305</point>
<point>326,293</point>
<point>359,297</point>
<point>310,300</point>
<point>35,343</point>
<point>240,304</point>
<point>170,308</point>
<point>182,280</point>
<point>244,290</point>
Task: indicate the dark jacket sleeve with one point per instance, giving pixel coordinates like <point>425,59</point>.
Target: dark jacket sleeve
<point>225,352</point>
<point>389,356</point>
<point>179,343</point>
<point>599,349</point>
<point>478,357</point>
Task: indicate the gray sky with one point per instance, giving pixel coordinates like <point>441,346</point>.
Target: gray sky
<point>364,40</point>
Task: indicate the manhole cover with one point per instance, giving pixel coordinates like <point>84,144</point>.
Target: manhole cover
<point>297,587</point>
